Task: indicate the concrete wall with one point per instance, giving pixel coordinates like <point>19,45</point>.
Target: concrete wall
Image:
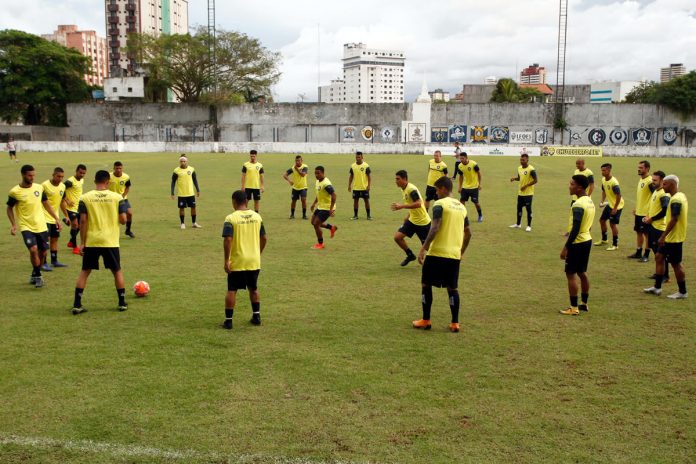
<point>36,133</point>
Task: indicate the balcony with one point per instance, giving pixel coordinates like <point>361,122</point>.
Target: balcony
<point>114,43</point>
<point>130,7</point>
<point>113,20</point>
<point>112,8</point>
<point>115,56</point>
<point>113,31</point>
<point>130,19</point>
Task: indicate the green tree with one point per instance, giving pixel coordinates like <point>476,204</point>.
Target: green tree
<point>39,78</point>
<point>645,92</point>
<point>507,91</point>
<point>679,94</point>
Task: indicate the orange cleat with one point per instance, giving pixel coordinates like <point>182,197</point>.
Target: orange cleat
<point>76,251</point>
<point>454,327</point>
<point>422,324</point>
<point>318,246</point>
<point>333,231</point>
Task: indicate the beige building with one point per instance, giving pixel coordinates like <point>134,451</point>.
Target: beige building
<point>154,17</point>
<point>89,44</point>
<point>533,74</point>
<point>669,73</point>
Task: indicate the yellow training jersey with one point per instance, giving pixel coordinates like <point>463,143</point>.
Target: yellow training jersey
<point>119,184</point>
<point>184,182</point>
<point>418,216</point>
<point>324,190</point>
<point>678,232</point>
<point>360,173</point>
<point>435,171</point>
<point>102,208</point>
<point>245,228</point>
<point>28,206</point>
<point>298,182</point>
<point>253,173</point>
<point>450,236</point>
<point>526,175</point>
<point>643,195</point>
<point>657,199</point>
<point>469,173</point>
<point>585,172</point>
<point>54,195</point>
<point>73,192</point>
<point>585,203</point>
<point>608,186</point>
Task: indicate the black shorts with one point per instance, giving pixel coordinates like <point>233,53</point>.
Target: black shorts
<point>524,201</point>
<point>430,193</point>
<point>53,231</point>
<point>90,258</point>
<point>639,226</point>
<point>74,216</point>
<point>239,280</point>
<point>361,194</point>
<point>440,272</point>
<point>297,194</point>
<point>127,203</point>
<point>578,257</point>
<point>672,252</point>
<point>187,202</point>
<point>253,194</point>
<point>408,229</point>
<point>322,214</point>
<point>653,236</point>
<point>469,194</point>
<point>31,239</point>
<point>606,214</point>
<point>13,153</point>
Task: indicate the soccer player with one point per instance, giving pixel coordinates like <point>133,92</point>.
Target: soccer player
<point>671,242</point>
<point>527,177</point>
<point>417,222</point>
<point>12,149</point>
<point>252,179</point>
<point>325,204</point>
<point>185,180</point>
<point>470,182</point>
<point>55,192</point>
<point>244,239</point>
<point>445,246</point>
<point>298,171</point>
<point>576,251</point>
<point>655,220</point>
<point>101,212</point>
<point>27,198</point>
<point>583,171</point>
<point>120,183</point>
<point>457,157</point>
<point>73,192</point>
<point>613,204</point>
<point>436,169</point>
<point>359,182</point>
<point>643,195</point>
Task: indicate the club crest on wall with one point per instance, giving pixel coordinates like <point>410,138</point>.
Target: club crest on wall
<point>479,134</point>
<point>597,136</point>
<point>618,137</point>
<point>669,135</point>
<point>541,136</point>
<point>641,136</point>
<point>500,134</point>
<point>457,133</point>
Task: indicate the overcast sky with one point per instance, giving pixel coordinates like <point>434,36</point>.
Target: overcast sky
<point>447,42</point>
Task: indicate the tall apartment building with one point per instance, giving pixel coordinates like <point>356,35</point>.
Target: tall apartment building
<point>674,70</point>
<point>533,74</point>
<point>89,44</point>
<point>154,17</point>
<point>369,76</point>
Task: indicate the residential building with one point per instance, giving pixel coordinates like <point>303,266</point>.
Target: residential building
<point>369,76</point>
<point>533,74</point>
<point>490,80</point>
<point>124,88</point>
<point>439,95</point>
<point>611,92</point>
<point>669,73</point>
<point>87,43</point>
<point>153,17</point>
<point>545,91</point>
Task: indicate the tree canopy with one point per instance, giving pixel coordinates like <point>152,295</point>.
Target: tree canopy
<point>679,94</point>
<point>507,91</point>
<point>38,78</point>
<point>243,69</point>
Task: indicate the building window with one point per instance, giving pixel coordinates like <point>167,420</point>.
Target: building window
<point>114,90</point>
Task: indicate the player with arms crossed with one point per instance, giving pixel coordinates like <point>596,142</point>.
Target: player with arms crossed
<point>527,177</point>
<point>580,169</point>
<point>436,169</point>
<point>359,182</point>
<point>296,176</point>
<point>252,179</point>
<point>120,183</point>
<point>442,253</point>
<point>73,192</point>
<point>417,222</point>
<point>643,195</point>
<point>655,219</point>
<point>55,192</point>
<point>613,204</point>
<point>185,180</point>
<point>325,204</point>
<point>470,182</point>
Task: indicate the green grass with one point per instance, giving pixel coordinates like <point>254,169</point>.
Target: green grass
<point>336,372</point>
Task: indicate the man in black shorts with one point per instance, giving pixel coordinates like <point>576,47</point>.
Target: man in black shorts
<point>417,222</point>
<point>102,212</point>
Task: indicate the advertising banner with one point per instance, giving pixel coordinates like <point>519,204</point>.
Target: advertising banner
<point>438,134</point>
<point>416,132</point>
<point>348,133</point>
<point>572,151</point>
<point>522,137</point>
<point>457,133</point>
<point>483,150</point>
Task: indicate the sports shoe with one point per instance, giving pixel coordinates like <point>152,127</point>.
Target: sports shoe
<point>32,280</point>
<point>678,296</point>
<point>515,226</point>
<point>453,327</point>
<point>305,217</point>
<point>58,264</point>
<point>255,319</point>
<point>528,229</point>
<point>333,231</point>
<point>130,234</point>
<point>634,256</point>
<point>71,244</point>
<point>480,219</point>
<point>601,242</point>
<point>196,226</point>
<point>354,218</point>
<point>76,251</point>
<point>80,310</point>
<point>570,311</point>
<point>292,216</point>
<point>123,307</point>
<point>369,218</point>
<point>38,282</point>
<point>643,259</point>
<point>227,324</point>
<point>408,260</point>
<point>583,307</point>
<point>653,291</point>
<point>318,246</point>
<point>183,226</point>
<point>422,324</point>
<point>613,248</point>
<point>46,267</point>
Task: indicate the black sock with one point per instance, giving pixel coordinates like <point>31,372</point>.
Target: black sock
<point>454,304</point>
<point>292,211</point>
<point>320,240</point>
<point>304,212</point>
<point>128,225</point>
<point>121,292</point>
<point>355,212</point>
<point>256,308</point>
<point>427,300</point>
<point>658,281</point>
<point>193,219</point>
<point>36,272</point>
<point>181,218</point>
<point>584,297</point>
<point>574,301</point>
<point>666,272</point>
<point>409,253</point>
<point>478,210</point>
<point>229,312</point>
<point>639,251</point>
<point>647,253</point>
<point>326,226</point>
<point>54,256</point>
<point>368,212</point>
<point>605,236</point>
<point>73,236</point>
<point>682,286</point>
<point>615,240</point>
<point>77,303</point>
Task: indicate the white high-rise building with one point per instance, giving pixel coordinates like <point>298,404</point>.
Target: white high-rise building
<point>674,70</point>
<point>369,76</point>
<point>154,17</point>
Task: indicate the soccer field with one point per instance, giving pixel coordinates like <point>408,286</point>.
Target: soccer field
<point>336,373</point>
